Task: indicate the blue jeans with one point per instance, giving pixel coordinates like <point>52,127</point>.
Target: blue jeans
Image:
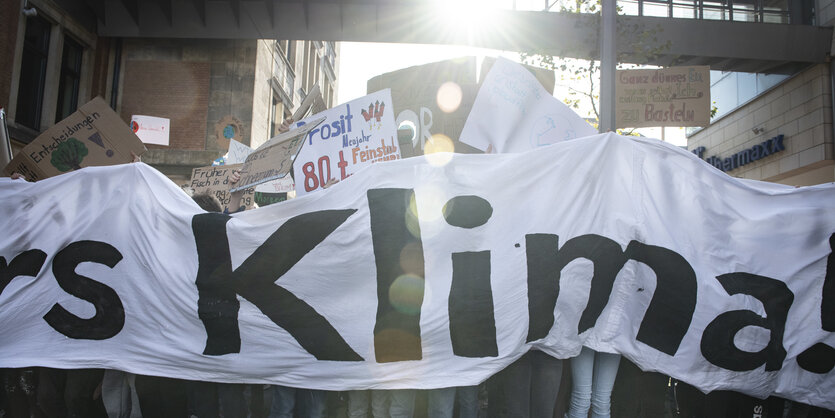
<point>399,403</point>
<point>526,388</point>
<point>441,402</point>
<point>312,403</point>
<point>358,403</point>
<point>593,375</point>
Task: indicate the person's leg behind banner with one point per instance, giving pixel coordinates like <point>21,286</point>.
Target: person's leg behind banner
<point>380,403</point>
<point>202,399</point>
<point>467,397</point>
<point>605,372</point>
<point>358,403</point>
<point>115,393</point>
<point>312,403</point>
<point>231,399</point>
<point>440,402</point>
<point>284,402</point>
<point>513,390</point>
<point>546,375</point>
<point>402,403</point>
<point>582,371</point>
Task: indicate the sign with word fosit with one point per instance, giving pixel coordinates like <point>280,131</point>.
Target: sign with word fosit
<point>353,135</point>
<point>677,96</point>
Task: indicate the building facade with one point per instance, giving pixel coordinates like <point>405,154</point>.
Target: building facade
<point>211,90</point>
<point>771,127</point>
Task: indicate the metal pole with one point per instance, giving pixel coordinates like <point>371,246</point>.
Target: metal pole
<point>5,142</point>
<point>608,62</point>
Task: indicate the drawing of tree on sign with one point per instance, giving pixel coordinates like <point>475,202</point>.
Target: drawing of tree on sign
<point>68,155</point>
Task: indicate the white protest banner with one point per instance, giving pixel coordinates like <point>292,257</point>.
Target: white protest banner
<point>675,96</point>
<point>237,152</point>
<point>354,135</point>
<point>151,129</point>
<point>419,275</point>
<point>514,113</point>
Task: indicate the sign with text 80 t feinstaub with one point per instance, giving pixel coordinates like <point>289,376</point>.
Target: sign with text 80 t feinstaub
<point>676,96</point>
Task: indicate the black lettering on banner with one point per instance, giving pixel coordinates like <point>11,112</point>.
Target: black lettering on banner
<point>543,283</point>
<point>110,314</point>
<point>467,211</point>
<point>397,330</point>
<point>718,338</point>
<point>255,280</point>
<point>545,264</point>
<point>472,326</point>
<point>820,358</point>
<point>217,305</point>
<point>673,303</point>
<point>27,263</point>
<point>670,311</point>
<point>828,298</point>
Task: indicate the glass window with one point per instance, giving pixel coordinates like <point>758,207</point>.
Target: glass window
<point>33,73</point>
<point>70,79</point>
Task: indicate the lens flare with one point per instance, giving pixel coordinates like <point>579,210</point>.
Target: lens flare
<point>438,150</point>
<point>449,97</point>
<point>411,259</point>
<point>406,294</point>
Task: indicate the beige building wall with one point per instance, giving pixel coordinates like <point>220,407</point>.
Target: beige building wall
<point>800,108</point>
<point>262,96</point>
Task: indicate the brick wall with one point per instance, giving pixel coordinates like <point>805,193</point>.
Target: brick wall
<point>170,89</point>
<point>800,108</point>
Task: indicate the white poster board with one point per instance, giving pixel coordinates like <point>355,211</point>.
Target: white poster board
<point>514,113</point>
<point>151,129</point>
<point>353,135</point>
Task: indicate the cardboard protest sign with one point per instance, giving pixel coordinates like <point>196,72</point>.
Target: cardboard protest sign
<point>413,275</point>
<point>214,180</point>
<point>514,113</point>
<point>676,96</point>
<point>312,103</point>
<point>150,129</point>
<point>274,159</point>
<point>94,135</point>
<point>353,135</point>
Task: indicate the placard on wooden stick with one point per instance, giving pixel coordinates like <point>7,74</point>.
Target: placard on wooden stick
<point>274,159</point>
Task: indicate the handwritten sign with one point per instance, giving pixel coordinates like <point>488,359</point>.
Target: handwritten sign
<point>237,152</point>
<point>151,129</point>
<point>94,135</point>
<point>274,159</point>
<point>677,96</point>
<point>514,113</point>
<point>215,180</point>
<point>354,135</point>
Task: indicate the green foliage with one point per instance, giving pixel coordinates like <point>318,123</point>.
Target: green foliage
<point>69,155</point>
<point>580,77</point>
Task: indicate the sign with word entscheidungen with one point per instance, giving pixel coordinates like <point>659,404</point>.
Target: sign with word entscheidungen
<point>413,274</point>
<point>353,135</point>
<point>215,180</point>
<point>514,113</point>
<point>675,96</point>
